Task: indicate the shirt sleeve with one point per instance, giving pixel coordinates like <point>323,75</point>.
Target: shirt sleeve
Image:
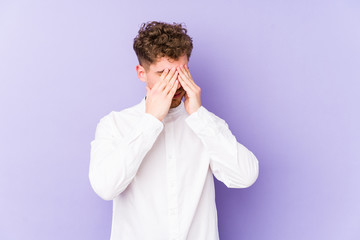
<point>114,160</point>
<point>231,162</point>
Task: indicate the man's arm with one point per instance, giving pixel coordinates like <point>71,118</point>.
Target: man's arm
<point>114,160</point>
<point>231,162</point>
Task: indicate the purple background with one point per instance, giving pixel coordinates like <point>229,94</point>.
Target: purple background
<point>283,74</point>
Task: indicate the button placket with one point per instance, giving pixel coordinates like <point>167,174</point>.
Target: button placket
<point>171,182</point>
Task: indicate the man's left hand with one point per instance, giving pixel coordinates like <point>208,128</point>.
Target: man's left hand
<point>192,100</point>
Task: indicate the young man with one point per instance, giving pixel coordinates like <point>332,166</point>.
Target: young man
<point>156,160</point>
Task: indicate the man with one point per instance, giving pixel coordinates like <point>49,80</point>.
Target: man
<point>156,160</point>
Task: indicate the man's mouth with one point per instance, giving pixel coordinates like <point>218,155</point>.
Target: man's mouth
<point>177,94</point>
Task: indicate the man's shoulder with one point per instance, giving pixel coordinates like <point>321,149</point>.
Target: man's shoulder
<point>123,117</point>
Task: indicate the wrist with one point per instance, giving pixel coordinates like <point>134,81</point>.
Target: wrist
<point>154,115</point>
<point>194,110</point>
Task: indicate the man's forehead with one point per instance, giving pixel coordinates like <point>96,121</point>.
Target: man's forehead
<point>165,62</point>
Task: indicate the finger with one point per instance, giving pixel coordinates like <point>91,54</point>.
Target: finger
<point>173,89</point>
<point>186,79</point>
<point>184,84</point>
<point>171,83</point>
<point>186,70</point>
<point>163,75</point>
<point>186,96</point>
<point>186,76</point>
<point>168,78</point>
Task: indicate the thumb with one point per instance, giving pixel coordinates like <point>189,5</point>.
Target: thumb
<point>186,96</point>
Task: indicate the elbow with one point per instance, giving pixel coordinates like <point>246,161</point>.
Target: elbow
<point>244,182</point>
<point>251,179</point>
<point>246,178</point>
<point>253,173</point>
<point>108,196</point>
<point>102,189</point>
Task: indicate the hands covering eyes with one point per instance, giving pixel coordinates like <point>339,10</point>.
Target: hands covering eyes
<point>159,98</point>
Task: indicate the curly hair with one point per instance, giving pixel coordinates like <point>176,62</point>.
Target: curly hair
<point>159,39</point>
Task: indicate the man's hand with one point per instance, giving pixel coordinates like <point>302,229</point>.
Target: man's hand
<point>158,99</point>
<point>192,100</point>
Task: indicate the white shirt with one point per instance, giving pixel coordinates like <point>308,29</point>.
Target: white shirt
<point>159,174</point>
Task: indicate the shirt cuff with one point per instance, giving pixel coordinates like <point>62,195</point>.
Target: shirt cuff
<point>202,122</point>
<point>151,122</point>
<point>149,125</point>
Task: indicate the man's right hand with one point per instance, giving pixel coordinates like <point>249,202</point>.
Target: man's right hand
<point>159,97</point>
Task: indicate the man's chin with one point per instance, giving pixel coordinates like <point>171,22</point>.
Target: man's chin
<point>175,102</point>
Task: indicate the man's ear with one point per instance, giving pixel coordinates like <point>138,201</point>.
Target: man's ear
<point>141,73</point>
